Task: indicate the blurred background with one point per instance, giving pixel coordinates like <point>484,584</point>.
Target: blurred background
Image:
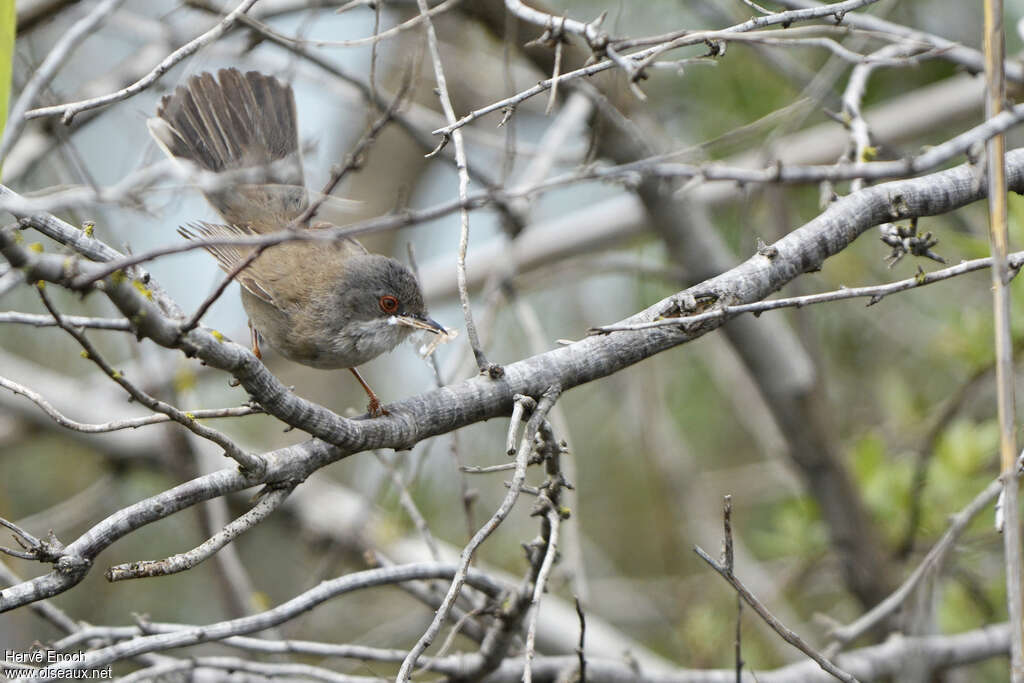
<point>896,397</point>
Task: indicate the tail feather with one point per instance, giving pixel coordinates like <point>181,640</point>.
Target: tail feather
<point>238,121</point>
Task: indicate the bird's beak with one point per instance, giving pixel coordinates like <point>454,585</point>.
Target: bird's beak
<point>421,323</point>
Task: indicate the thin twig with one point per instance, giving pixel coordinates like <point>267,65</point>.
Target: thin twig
<point>580,651</point>
<point>526,446</point>
<point>789,636</point>
<point>268,502</point>
<point>475,469</point>
<point>728,561</point>
<point>378,35</point>
<point>664,44</point>
<point>554,521</point>
<point>250,463</point>
<point>116,425</point>
<point>520,405</point>
<point>285,612</point>
<point>229,277</point>
<point>39,320</point>
<point>354,160</point>
<point>69,110</point>
<point>69,39</point>
<point>462,166</point>
<point>874,292</point>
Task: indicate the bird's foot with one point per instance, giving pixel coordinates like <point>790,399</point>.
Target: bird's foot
<point>375,409</point>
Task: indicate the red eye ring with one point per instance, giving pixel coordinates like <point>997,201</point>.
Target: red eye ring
<point>389,304</point>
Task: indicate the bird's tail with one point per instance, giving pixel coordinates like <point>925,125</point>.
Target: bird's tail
<point>236,123</point>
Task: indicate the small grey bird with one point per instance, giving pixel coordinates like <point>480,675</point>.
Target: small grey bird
<point>323,304</point>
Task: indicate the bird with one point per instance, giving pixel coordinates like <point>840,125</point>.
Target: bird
<point>325,304</point>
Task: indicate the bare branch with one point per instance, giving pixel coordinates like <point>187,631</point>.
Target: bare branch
<point>68,111</point>
<point>115,425</point>
<point>548,400</point>
<point>777,626</point>
<point>248,462</point>
<point>268,502</point>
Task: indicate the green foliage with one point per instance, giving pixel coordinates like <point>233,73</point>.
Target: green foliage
<point>884,482</point>
<point>790,528</point>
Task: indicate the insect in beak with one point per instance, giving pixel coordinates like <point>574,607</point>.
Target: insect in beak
<point>420,323</point>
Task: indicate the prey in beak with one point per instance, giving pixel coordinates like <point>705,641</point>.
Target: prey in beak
<point>429,327</point>
<point>420,323</point>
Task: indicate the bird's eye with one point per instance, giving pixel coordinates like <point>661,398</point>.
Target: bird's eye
<point>389,304</point>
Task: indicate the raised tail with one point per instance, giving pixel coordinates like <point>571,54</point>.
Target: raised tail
<point>235,122</point>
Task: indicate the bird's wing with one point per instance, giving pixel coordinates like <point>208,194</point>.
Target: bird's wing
<point>229,256</point>
<point>285,274</point>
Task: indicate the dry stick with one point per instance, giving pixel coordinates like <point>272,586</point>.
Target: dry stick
<point>875,292</point>
<point>671,43</point>
<point>972,60</point>
<point>475,469</point>
<point>598,41</point>
<point>373,40</point>
<point>853,95</point>
<point>1009,523</point>
<point>658,165</point>
<point>116,425</point>
<point>729,563</point>
<point>62,49</point>
<point>227,668</point>
<point>572,548</point>
<point>248,644</point>
<point>554,520</point>
<point>84,243</point>
<point>250,463</point>
<point>284,612</point>
<point>38,320</point>
<point>194,319</point>
<point>372,80</point>
<point>184,561</point>
<point>70,109</point>
<point>461,165</point>
<point>38,550</point>
<point>521,404</point>
<point>579,648</point>
<point>525,448</point>
<point>355,157</point>
<point>449,640</point>
<point>777,626</point>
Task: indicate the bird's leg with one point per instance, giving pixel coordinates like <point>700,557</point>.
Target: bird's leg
<point>255,341</point>
<point>374,408</point>
<point>255,350</point>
